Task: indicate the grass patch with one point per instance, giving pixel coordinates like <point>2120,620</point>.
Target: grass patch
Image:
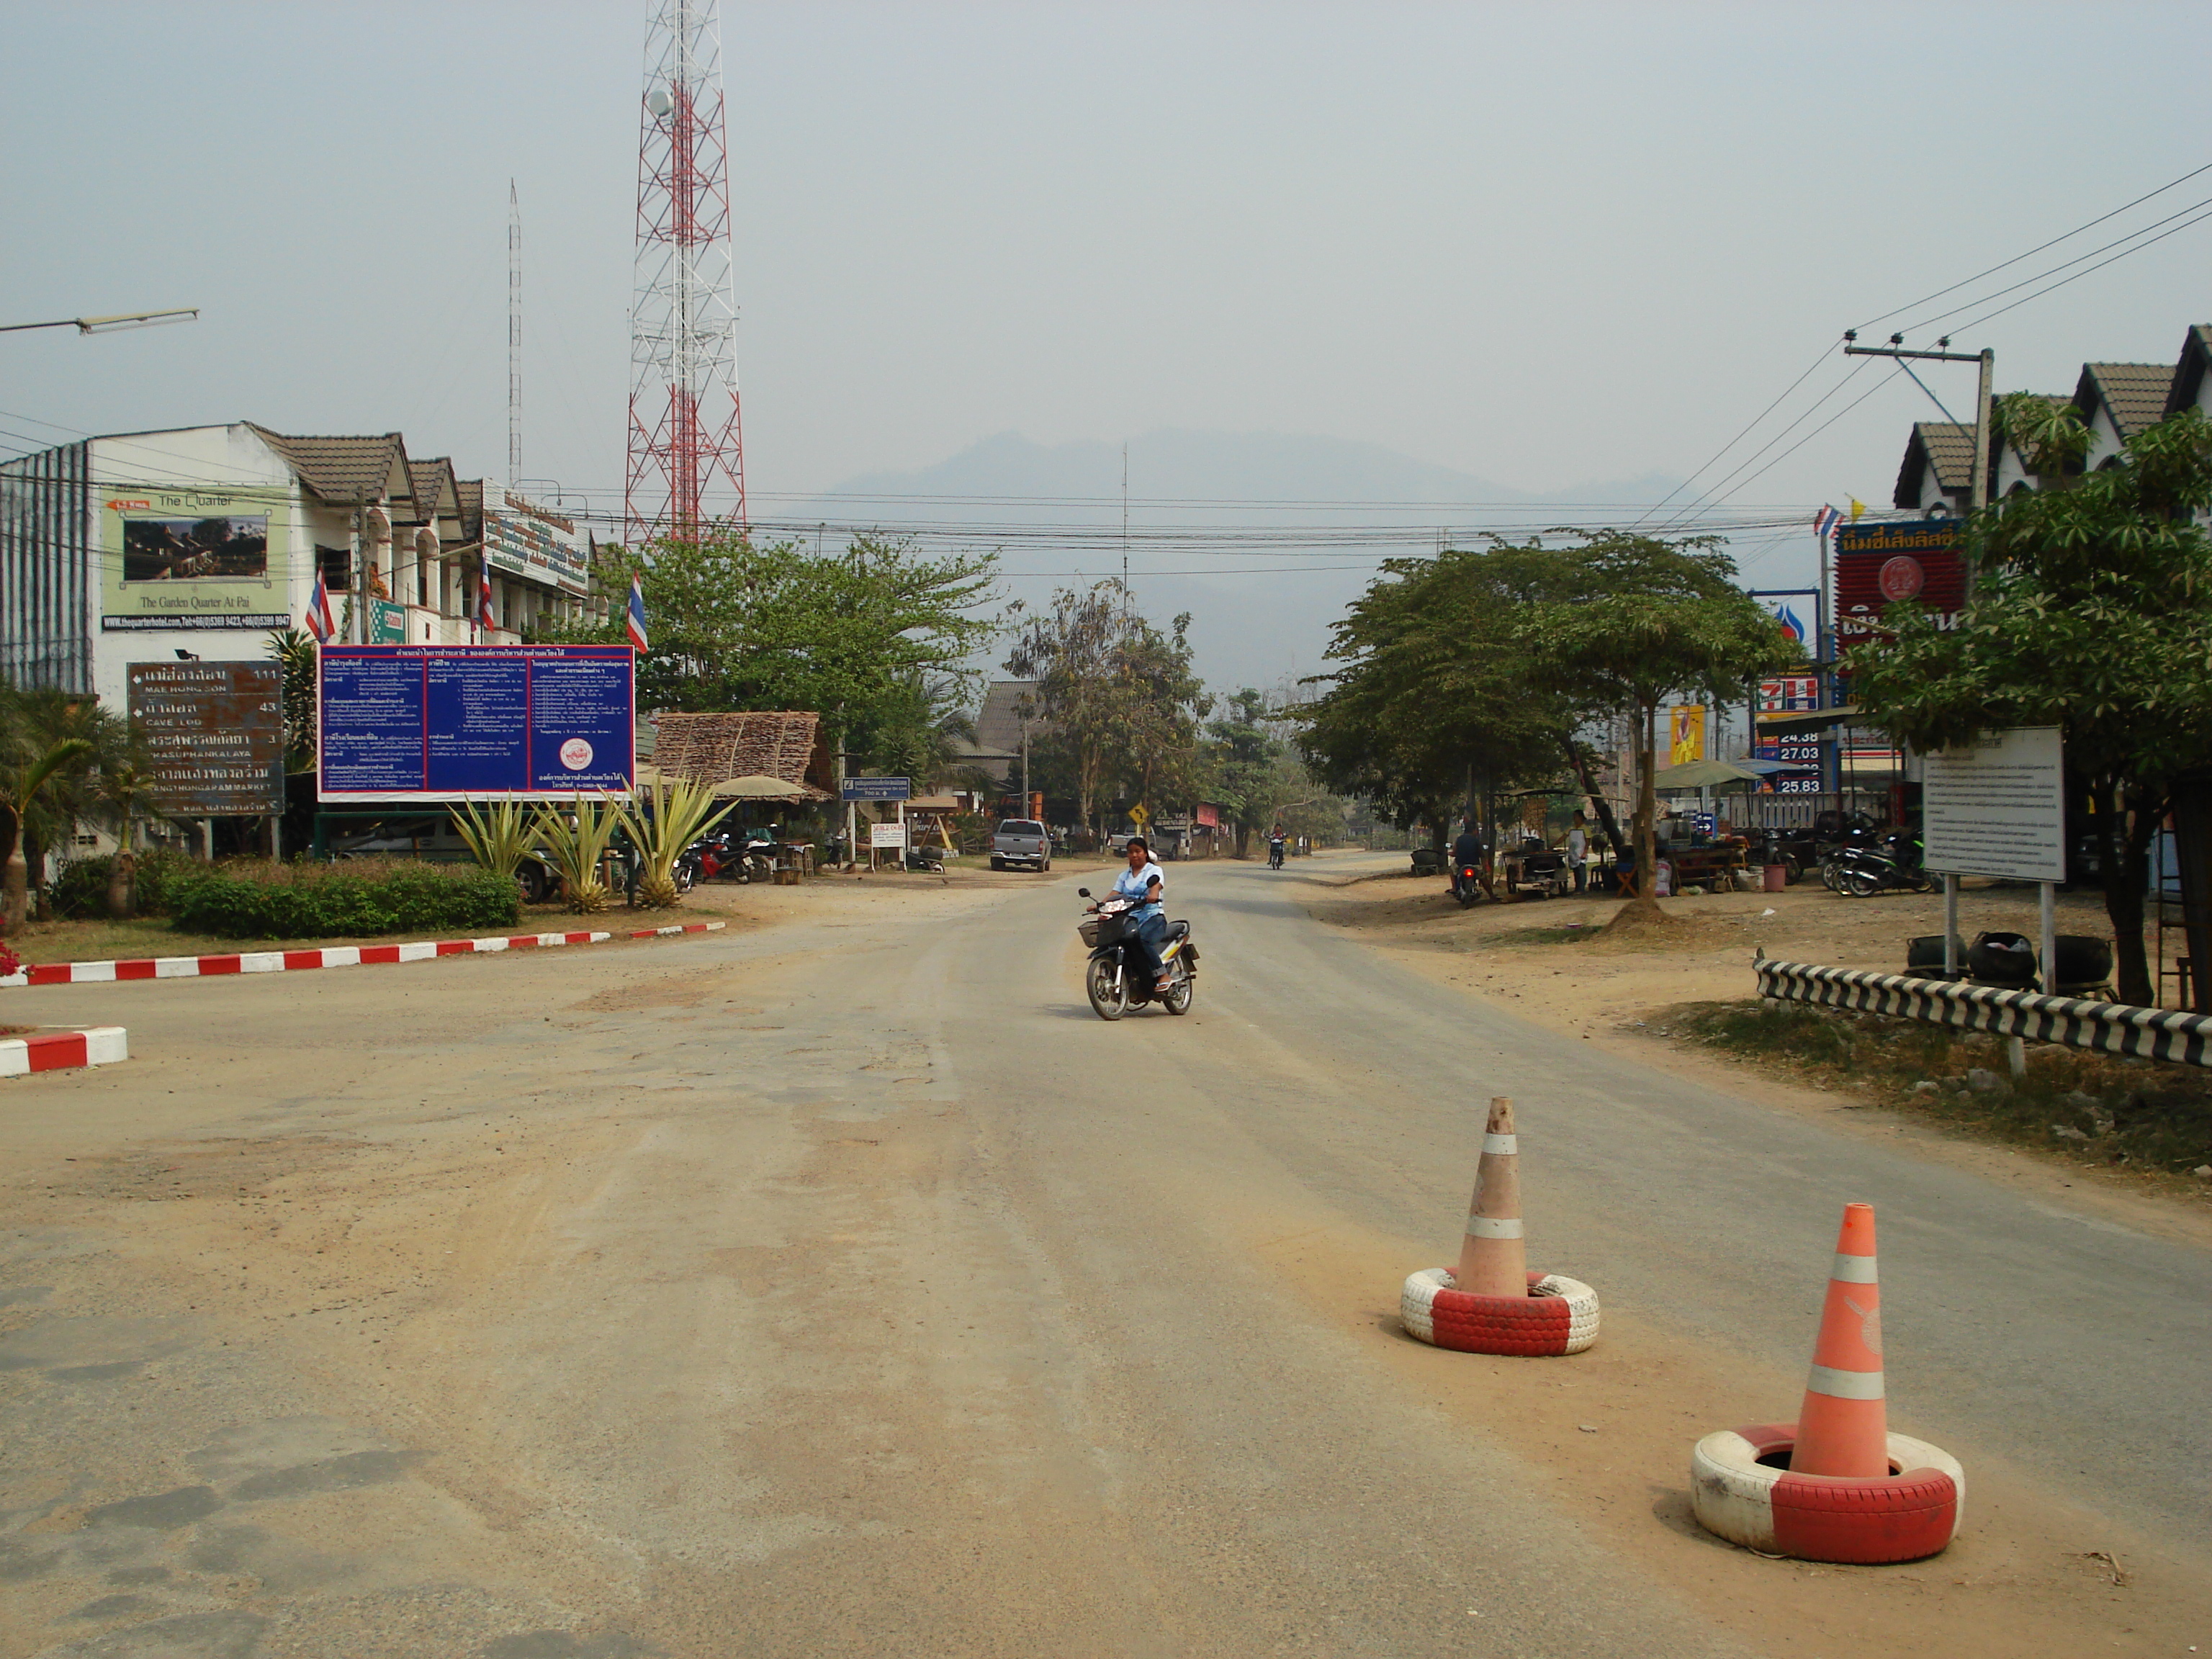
<point>2100,1108</point>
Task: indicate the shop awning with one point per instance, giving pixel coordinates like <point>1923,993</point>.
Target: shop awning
<point>1815,720</point>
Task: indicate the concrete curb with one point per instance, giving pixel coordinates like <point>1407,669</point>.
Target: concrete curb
<point>341,956</point>
<point>64,1051</point>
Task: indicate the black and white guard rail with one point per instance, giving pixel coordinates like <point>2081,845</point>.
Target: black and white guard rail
<point>2111,1028</point>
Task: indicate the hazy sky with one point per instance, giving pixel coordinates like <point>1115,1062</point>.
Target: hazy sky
<point>1541,244</point>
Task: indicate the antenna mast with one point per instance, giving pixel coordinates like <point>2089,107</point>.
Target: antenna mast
<point>686,456</point>
<point>513,335</point>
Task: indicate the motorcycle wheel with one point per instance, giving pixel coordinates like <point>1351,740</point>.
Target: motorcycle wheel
<point>1924,882</point>
<point>1829,870</point>
<point>1860,883</point>
<point>686,874</point>
<point>1466,895</point>
<point>1177,1001</point>
<point>1109,993</point>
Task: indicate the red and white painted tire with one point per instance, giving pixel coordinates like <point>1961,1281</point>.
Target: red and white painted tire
<point>1558,1315</point>
<point>1902,1516</point>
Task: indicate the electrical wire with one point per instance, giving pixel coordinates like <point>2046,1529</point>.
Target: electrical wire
<point>1809,436</point>
<point>1695,512</point>
<point>2078,274</point>
<point>1941,316</point>
<point>1739,437</point>
<point>2038,248</point>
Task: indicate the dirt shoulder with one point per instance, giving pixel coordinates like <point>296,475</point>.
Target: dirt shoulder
<point>1547,962</point>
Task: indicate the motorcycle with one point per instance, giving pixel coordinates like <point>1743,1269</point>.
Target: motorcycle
<point>1466,884</point>
<point>1115,978</point>
<point>1274,855</point>
<point>1893,865</point>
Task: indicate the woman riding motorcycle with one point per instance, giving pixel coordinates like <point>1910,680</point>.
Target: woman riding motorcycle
<point>1143,882</point>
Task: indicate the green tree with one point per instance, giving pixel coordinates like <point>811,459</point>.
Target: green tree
<point>1120,696</point>
<point>2091,612</point>
<point>54,747</point>
<point>1656,619</point>
<point>737,625</point>
<point>2049,434</point>
<point>294,650</point>
<point>1440,693</point>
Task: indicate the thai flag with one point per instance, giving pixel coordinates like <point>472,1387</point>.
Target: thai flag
<point>1825,521</point>
<point>486,618</point>
<point>319,621</point>
<point>636,618</point>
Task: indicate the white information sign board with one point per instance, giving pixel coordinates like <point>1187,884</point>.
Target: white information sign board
<point>1998,806</point>
<point>883,836</point>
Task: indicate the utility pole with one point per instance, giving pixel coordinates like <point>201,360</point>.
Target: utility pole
<point>514,336</point>
<point>1125,526</point>
<point>1979,493</point>
<point>1977,498</point>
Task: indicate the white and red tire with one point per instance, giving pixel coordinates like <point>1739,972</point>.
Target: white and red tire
<point>1906,1515</point>
<point>1558,1317</point>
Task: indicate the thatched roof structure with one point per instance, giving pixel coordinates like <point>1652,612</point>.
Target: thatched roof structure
<point>709,748</point>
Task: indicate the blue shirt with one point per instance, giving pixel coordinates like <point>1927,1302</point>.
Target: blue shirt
<point>1132,884</point>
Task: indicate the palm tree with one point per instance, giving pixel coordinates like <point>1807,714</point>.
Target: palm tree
<point>123,791</point>
<point>23,784</point>
<point>86,741</point>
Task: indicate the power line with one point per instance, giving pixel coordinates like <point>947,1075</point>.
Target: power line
<point>2038,248</point>
<point>2078,274</point>
<point>1941,316</point>
<point>1739,436</point>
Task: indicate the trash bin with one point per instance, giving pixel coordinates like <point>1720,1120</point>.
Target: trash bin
<point>1777,878</point>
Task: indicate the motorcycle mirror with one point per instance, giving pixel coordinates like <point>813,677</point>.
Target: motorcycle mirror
<point>1083,892</point>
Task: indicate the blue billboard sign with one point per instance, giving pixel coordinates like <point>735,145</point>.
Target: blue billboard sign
<point>471,722</point>
<point>878,789</point>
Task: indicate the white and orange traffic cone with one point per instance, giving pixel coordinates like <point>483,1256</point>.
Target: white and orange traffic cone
<point>1493,1303</point>
<point>1843,1427</point>
<point>1493,1256</point>
<point>1836,1485</point>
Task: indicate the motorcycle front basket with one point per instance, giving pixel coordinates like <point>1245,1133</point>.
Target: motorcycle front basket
<point>1089,929</point>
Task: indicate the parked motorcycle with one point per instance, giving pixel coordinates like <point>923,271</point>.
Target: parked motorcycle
<point>922,862</point>
<point>1892,866</point>
<point>1115,978</point>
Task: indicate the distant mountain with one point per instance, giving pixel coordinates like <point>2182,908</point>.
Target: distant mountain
<point>1263,537</point>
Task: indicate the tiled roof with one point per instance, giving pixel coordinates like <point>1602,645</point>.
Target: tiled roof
<point>2189,373</point>
<point>343,471</point>
<point>1948,447</point>
<point>432,480</point>
<point>709,748</point>
<point>999,723</point>
<point>471,491</point>
<point>2133,394</point>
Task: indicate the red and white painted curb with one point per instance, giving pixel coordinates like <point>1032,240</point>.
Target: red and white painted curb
<point>335,955</point>
<point>64,1051</point>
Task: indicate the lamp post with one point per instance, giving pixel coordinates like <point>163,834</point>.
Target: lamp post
<point>110,325</point>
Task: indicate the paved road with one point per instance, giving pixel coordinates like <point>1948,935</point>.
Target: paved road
<point>847,1287</point>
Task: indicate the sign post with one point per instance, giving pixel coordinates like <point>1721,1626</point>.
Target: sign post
<point>900,790</point>
<point>476,722</point>
<point>1997,807</point>
<point>214,737</point>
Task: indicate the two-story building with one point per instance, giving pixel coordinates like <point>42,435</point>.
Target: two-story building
<point>148,546</point>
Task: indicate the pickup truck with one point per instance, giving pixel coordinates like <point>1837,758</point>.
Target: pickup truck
<point>1022,841</point>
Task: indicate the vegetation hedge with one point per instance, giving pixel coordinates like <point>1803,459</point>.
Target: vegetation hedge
<point>80,890</point>
<point>257,899</point>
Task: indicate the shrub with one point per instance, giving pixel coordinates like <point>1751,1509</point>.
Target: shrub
<point>256,899</point>
<point>80,888</point>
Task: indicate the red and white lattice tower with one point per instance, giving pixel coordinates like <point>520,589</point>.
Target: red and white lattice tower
<point>687,470</point>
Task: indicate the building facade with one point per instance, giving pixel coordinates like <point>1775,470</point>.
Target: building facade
<point>149,546</point>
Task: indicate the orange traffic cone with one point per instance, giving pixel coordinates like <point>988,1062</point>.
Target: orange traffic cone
<point>1843,1427</point>
<point>1493,1257</point>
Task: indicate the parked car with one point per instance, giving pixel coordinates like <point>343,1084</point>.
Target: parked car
<point>1021,841</point>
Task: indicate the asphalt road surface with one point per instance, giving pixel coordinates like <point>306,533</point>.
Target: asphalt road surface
<point>846,1287</point>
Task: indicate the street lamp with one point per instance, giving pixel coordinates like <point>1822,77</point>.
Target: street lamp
<point>110,325</point>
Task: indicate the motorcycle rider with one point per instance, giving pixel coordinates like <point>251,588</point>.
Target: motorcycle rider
<point>1143,882</point>
<point>1467,853</point>
<point>1275,839</point>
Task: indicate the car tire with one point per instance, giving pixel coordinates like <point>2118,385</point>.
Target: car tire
<point>998,864</point>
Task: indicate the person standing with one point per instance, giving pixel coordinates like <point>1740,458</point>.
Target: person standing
<point>1578,851</point>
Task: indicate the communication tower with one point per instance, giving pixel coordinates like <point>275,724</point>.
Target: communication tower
<point>686,456</point>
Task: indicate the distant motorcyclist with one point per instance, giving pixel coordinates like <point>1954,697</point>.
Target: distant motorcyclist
<point>1275,839</point>
<point>1468,850</point>
<point>1143,882</point>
